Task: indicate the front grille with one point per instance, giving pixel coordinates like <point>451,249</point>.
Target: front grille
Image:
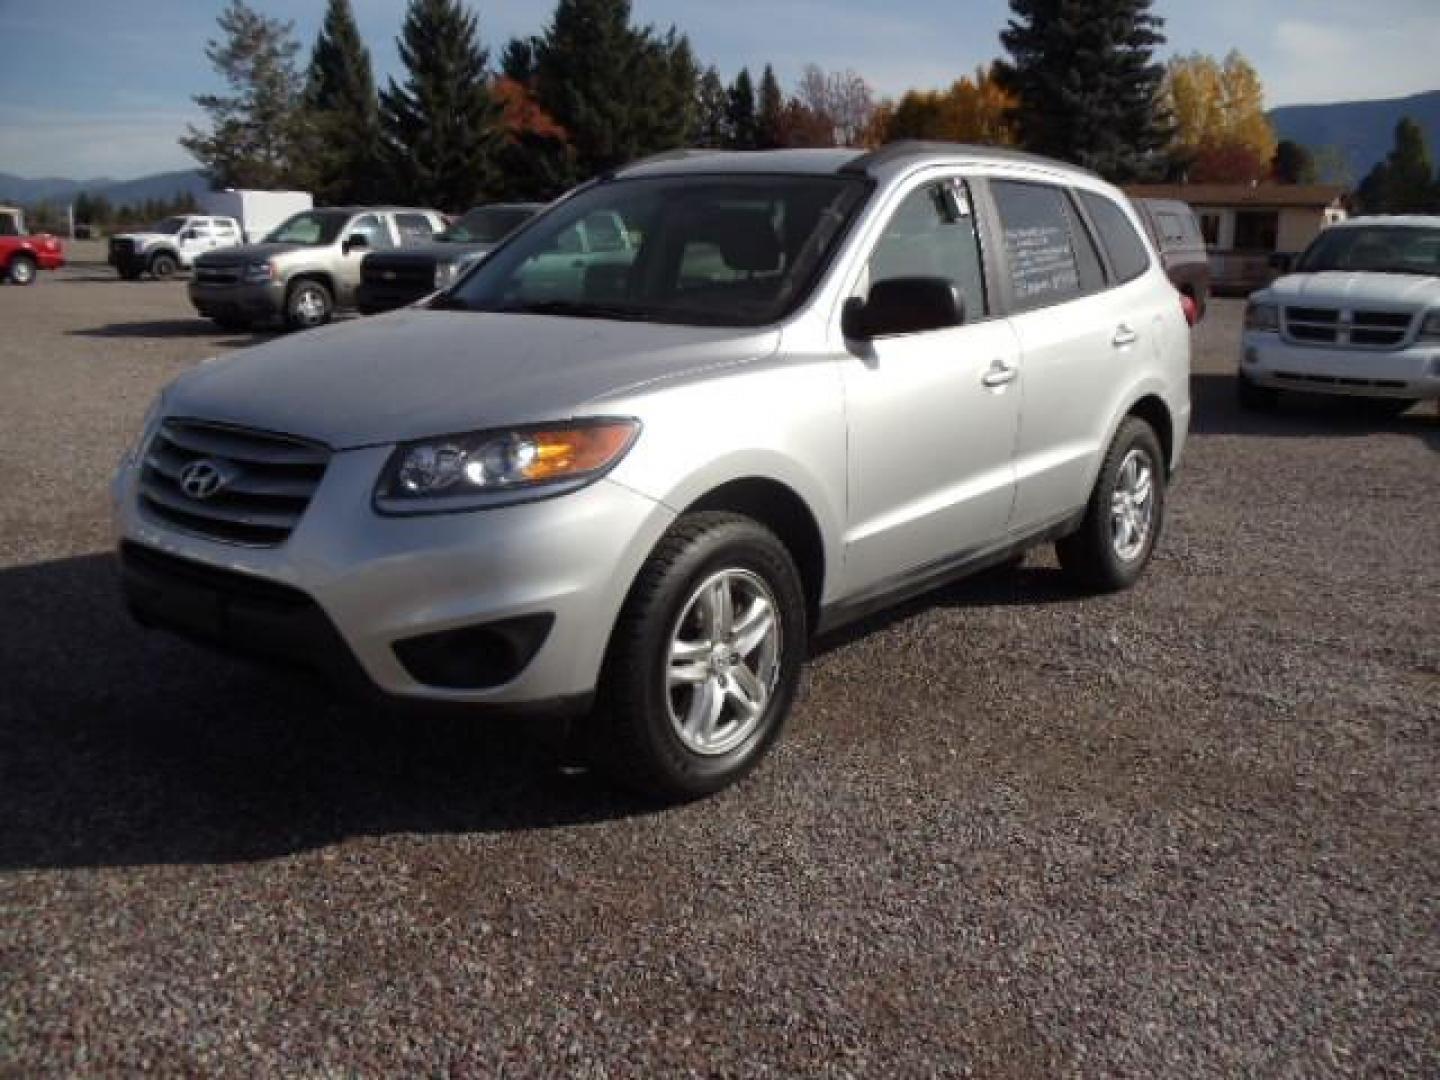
<point>123,247</point>
<point>217,275</point>
<point>1339,326</point>
<point>262,482</point>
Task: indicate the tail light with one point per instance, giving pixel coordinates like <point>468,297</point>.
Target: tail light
<point>1190,308</point>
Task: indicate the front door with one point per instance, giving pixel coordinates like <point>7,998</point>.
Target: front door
<point>933,416</point>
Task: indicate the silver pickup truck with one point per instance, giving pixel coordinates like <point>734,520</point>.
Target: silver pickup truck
<point>306,269</point>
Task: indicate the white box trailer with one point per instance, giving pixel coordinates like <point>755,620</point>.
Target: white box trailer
<point>257,211</point>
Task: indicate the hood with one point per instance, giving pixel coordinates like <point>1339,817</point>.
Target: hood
<point>1356,288</point>
<point>432,253</point>
<point>416,373</point>
<point>243,253</point>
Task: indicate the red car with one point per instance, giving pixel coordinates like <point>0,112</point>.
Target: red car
<point>22,255</point>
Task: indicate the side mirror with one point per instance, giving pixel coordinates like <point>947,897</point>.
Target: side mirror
<point>903,306</point>
<point>355,242</point>
<point>1282,261</point>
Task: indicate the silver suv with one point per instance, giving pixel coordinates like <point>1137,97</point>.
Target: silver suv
<point>809,383</point>
<point>306,269</point>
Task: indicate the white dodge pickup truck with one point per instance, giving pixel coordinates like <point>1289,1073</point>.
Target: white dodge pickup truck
<point>171,245</point>
<point>1359,316</point>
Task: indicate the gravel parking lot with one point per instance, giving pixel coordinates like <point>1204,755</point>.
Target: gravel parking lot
<point>1190,830</point>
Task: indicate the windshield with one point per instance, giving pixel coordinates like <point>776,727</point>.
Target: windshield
<point>704,250</point>
<point>170,225</point>
<point>1392,249</point>
<point>313,227</point>
<point>486,225</point>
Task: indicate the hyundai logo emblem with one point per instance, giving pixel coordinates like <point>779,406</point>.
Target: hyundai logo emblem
<point>203,478</point>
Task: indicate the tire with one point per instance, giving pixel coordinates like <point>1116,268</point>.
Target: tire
<point>1254,398</point>
<point>1115,540</point>
<point>22,270</point>
<point>654,729</point>
<point>308,304</point>
<point>163,266</point>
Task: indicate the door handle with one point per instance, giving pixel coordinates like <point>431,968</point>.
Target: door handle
<point>1124,336</point>
<point>999,374</point>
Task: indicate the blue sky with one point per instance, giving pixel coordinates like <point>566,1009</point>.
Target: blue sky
<point>102,87</point>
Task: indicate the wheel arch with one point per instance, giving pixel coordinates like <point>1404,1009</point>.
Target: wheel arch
<point>1152,409</point>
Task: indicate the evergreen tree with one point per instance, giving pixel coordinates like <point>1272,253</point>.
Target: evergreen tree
<point>712,128</point>
<point>1087,83</point>
<point>771,115</point>
<point>518,60</point>
<point>342,116</point>
<point>1293,163</point>
<point>740,115</point>
<point>442,127</point>
<point>621,92</point>
<point>1405,182</point>
<point>253,130</point>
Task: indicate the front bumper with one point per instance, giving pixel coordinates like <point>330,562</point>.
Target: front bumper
<point>349,585</point>
<point>1270,361</point>
<point>256,301</point>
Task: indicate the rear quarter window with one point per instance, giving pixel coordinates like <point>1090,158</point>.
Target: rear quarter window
<point>1129,257</point>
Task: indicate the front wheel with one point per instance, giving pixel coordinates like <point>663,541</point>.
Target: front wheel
<point>1123,518</point>
<point>307,304</point>
<point>22,270</point>
<point>705,659</point>
<point>163,266</point>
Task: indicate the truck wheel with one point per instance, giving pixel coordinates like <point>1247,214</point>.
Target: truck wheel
<point>163,266</point>
<point>307,304</point>
<point>704,661</point>
<point>22,270</point>
<point>1122,522</point>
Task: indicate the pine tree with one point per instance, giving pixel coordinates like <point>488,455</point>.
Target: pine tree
<point>1293,163</point>
<point>442,127</point>
<point>712,127</point>
<point>342,116</point>
<point>621,92</point>
<point>1087,83</point>
<point>1405,182</point>
<point>740,113</point>
<point>771,111</point>
<point>253,129</point>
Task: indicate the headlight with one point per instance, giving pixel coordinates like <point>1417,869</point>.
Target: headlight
<point>1263,318</point>
<point>445,273</point>
<point>259,271</point>
<point>1430,328</point>
<point>496,468</point>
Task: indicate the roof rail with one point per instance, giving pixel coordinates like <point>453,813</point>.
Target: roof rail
<point>908,148</point>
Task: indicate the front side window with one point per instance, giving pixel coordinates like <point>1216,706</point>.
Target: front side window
<point>10,224</point>
<point>1128,256</point>
<point>933,235</point>
<point>313,228</point>
<point>1051,257</point>
<point>723,250</point>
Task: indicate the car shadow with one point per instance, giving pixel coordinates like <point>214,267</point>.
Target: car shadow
<point>178,328</point>
<point>1215,411</point>
<point>121,746</point>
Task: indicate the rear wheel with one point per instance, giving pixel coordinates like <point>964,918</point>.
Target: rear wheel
<point>22,270</point>
<point>1253,398</point>
<point>705,659</point>
<point>163,266</point>
<point>307,304</point>
<point>1123,519</point>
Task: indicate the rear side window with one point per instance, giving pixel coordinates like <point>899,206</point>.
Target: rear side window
<point>933,235</point>
<point>1128,256</point>
<point>414,228</point>
<point>1052,258</point>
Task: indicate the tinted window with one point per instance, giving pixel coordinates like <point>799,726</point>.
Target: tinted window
<point>486,225</point>
<point>933,235</point>
<point>414,228</point>
<point>1128,255</point>
<point>1051,258</point>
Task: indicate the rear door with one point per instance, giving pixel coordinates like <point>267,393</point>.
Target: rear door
<point>932,416</point>
<point>1073,336</point>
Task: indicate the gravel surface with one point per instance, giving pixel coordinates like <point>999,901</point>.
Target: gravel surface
<point>1186,831</point>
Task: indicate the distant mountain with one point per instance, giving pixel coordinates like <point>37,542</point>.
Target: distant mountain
<point>1364,131</point>
<point>55,189</point>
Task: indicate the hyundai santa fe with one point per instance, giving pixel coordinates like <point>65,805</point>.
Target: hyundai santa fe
<point>629,486</point>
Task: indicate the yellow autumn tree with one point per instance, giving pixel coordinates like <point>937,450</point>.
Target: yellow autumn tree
<point>971,110</point>
<point>1218,108</point>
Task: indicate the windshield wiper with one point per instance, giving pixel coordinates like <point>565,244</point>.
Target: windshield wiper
<point>580,309</point>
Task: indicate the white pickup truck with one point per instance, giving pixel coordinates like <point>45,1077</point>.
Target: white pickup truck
<point>170,245</point>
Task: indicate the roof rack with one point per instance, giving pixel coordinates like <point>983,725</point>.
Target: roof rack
<point>911,148</point>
